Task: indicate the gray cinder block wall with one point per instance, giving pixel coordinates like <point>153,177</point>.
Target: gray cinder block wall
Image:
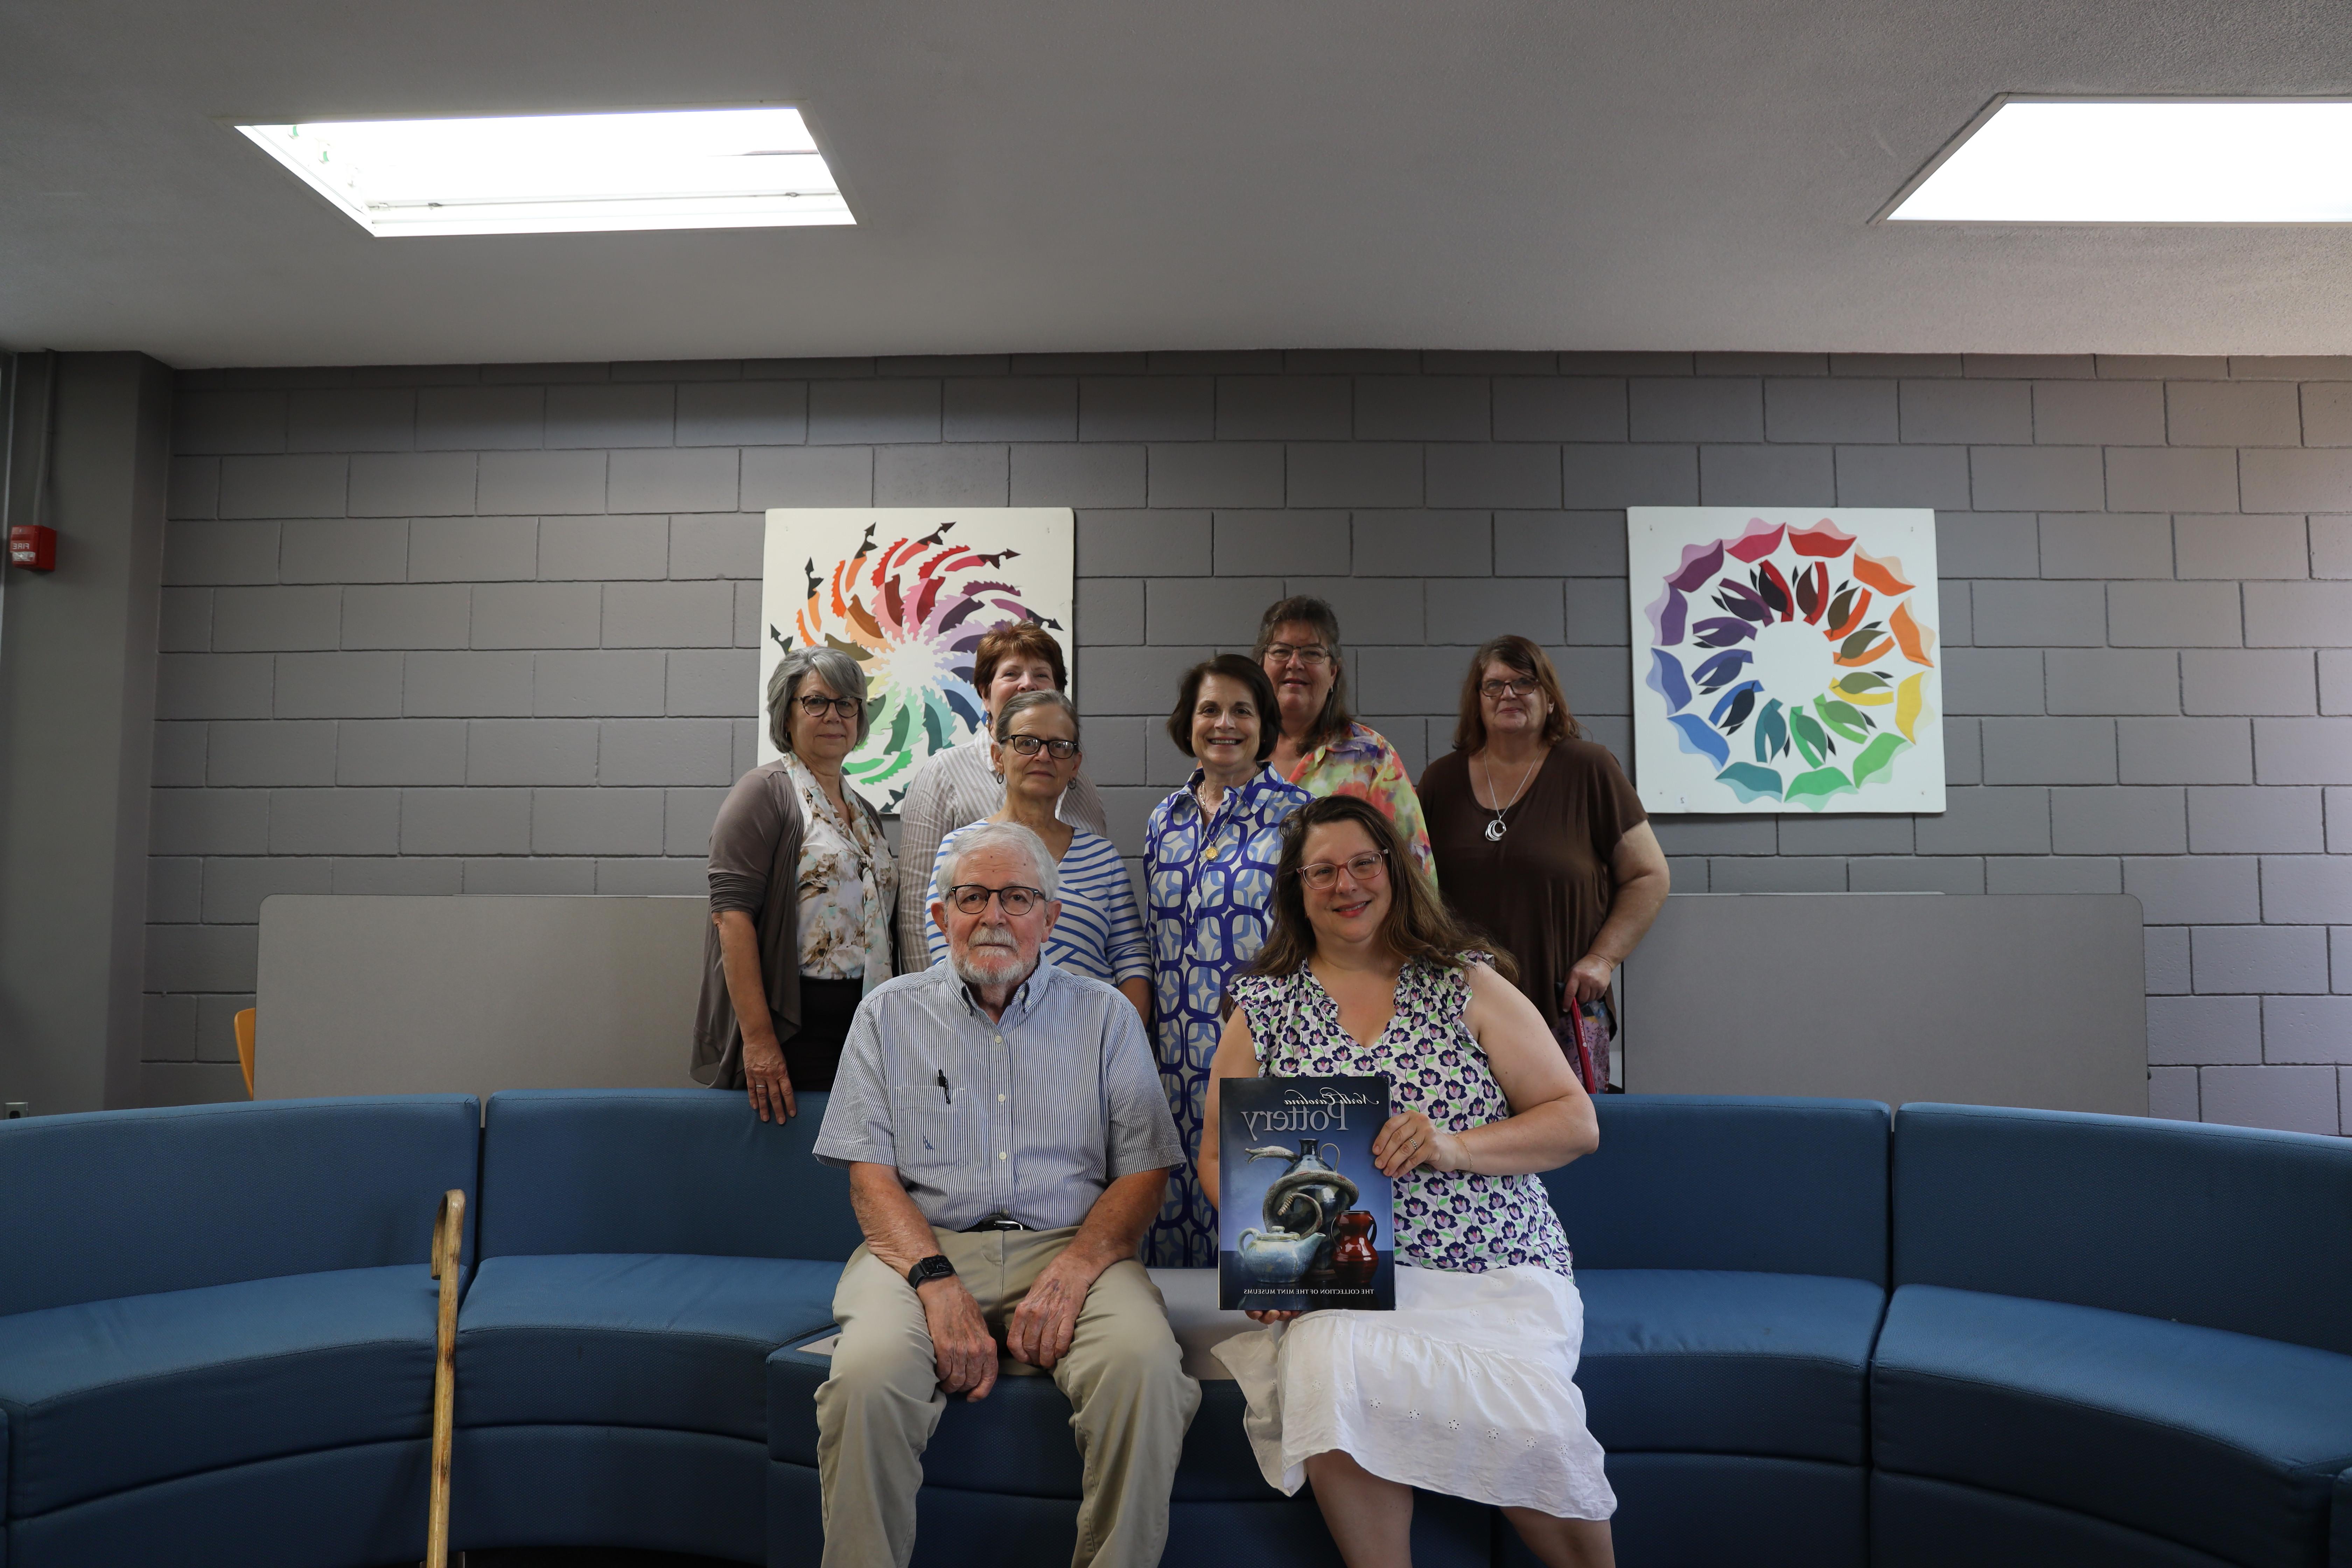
<point>491,629</point>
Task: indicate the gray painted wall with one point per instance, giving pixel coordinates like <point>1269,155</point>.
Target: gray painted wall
<point>76,733</point>
<point>490,629</point>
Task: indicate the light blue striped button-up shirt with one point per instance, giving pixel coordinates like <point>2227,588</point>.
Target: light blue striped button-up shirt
<point>1031,1115</point>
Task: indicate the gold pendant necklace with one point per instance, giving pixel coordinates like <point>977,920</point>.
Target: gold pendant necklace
<point>1208,827</point>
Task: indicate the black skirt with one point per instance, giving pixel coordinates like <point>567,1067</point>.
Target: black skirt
<point>814,1053</point>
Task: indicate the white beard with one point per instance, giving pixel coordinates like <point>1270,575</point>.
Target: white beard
<point>997,960</point>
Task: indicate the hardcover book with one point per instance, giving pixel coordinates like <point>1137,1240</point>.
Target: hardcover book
<point>1306,1221</point>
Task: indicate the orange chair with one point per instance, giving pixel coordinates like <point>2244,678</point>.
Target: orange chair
<point>244,1047</point>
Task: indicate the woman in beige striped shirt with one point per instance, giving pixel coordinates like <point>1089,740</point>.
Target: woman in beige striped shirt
<point>959,785</point>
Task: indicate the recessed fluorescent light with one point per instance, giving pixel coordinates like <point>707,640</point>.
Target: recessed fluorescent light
<point>2036,161</point>
<point>565,174</point>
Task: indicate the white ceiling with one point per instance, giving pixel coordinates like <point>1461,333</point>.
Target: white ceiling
<point>1100,174</point>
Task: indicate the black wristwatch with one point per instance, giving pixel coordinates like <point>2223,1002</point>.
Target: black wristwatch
<point>935,1267</point>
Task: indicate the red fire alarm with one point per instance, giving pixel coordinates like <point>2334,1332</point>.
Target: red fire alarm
<point>32,547</point>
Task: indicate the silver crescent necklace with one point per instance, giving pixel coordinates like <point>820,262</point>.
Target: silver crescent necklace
<point>1497,828</point>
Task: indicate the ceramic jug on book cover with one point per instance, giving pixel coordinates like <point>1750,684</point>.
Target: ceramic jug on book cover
<point>1353,1258</point>
<point>1301,1210</point>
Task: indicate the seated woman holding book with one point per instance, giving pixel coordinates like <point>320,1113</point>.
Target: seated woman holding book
<point>1467,1387</point>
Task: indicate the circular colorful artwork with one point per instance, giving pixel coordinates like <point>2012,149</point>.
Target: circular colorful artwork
<point>911,611</point>
<point>1792,661</point>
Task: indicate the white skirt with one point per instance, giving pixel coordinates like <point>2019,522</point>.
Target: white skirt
<point>1466,1389</point>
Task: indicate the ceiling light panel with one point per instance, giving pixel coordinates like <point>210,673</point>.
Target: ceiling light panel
<point>565,174</point>
<point>2037,161</point>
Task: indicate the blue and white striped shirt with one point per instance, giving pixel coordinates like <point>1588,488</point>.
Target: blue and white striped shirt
<point>1100,935</point>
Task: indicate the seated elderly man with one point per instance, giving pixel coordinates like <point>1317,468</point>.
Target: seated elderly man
<point>1007,1141</point>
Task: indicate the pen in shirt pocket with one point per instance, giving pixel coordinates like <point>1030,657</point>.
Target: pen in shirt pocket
<point>944,1093</point>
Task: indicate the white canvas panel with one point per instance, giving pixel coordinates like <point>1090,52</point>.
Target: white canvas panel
<point>1785,659</point>
<point>907,592</point>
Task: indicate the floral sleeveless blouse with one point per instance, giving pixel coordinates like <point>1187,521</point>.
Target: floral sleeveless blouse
<point>1455,1220</point>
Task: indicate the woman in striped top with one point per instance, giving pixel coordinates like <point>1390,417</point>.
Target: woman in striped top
<point>1097,932</point>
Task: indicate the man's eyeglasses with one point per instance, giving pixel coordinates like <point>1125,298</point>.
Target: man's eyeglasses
<point>1312,657</point>
<point>814,706</point>
<point>1030,745</point>
<point>972,897</point>
<point>1522,685</point>
<point>1366,868</point>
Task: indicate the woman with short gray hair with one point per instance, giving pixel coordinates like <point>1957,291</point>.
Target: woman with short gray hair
<point>1096,931</point>
<point>803,888</point>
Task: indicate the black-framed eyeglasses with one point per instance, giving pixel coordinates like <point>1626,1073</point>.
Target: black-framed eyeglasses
<point>1030,745</point>
<point>1016,901</point>
<point>816,707</point>
<point>1313,656</point>
<point>1366,868</point>
<point>1519,686</point>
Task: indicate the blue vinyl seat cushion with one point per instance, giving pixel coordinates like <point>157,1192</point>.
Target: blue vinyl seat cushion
<point>1675,1185</point>
<point>105,1395</point>
<point>2217,1440</point>
<point>1018,1442</point>
<point>658,1170</point>
<point>665,1340</point>
<point>2238,1229</point>
<point>110,1204</point>
<point>1712,1362</point>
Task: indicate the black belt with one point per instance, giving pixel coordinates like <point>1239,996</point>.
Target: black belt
<point>997,1222</point>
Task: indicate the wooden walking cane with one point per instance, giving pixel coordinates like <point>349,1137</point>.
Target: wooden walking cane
<point>448,1237</point>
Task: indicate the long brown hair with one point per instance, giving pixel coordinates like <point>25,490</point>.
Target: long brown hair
<point>1513,653</point>
<point>1307,610</point>
<point>1419,924</point>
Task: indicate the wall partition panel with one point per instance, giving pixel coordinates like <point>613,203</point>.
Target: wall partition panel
<point>2031,1000</point>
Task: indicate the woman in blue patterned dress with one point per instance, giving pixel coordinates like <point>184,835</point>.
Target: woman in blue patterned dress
<point>1208,874</point>
<point>1466,1388</point>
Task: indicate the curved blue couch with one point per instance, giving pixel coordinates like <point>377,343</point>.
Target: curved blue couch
<point>1813,1335</point>
<point>643,1253</point>
<point>216,1330</point>
<point>1729,1322</point>
<point>2114,1340</point>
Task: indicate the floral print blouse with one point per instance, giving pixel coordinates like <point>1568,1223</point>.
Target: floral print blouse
<point>1209,885</point>
<point>849,887</point>
<point>1362,764</point>
<point>1452,1220</point>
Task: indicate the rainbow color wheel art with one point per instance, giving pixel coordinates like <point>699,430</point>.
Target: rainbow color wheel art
<point>910,602</point>
<point>1794,669</point>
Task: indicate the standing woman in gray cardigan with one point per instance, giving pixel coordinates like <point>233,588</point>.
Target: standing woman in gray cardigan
<point>802,890</point>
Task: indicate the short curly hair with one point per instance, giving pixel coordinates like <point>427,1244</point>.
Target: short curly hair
<point>1016,639</point>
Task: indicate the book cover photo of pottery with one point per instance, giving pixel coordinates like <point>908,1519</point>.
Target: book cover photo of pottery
<point>1306,1221</point>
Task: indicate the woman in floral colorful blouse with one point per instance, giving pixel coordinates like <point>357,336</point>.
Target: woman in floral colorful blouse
<point>1322,749</point>
<point>802,890</point>
<point>1467,1388</point>
<point>1208,857</point>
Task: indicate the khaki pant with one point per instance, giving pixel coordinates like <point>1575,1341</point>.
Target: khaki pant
<point>1131,1401</point>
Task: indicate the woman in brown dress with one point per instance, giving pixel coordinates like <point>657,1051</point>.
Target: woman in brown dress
<point>1538,839</point>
